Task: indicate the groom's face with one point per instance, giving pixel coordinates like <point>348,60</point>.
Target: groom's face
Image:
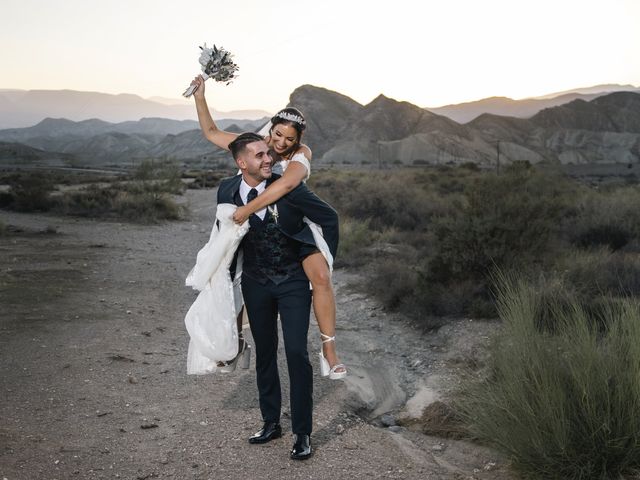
<point>255,162</point>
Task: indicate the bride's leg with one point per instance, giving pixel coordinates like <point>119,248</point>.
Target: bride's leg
<point>324,303</point>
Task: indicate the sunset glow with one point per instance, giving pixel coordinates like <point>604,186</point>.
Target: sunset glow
<point>429,53</point>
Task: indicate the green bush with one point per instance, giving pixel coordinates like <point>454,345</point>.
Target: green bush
<point>206,179</point>
<point>561,404</point>
<point>146,207</point>
<point>600,272</point>
<point>385,199</point>
<point>355,237</point>
<point>138,202</point>
<point>393,282</point>
<point>31,192</point>
<point>460,222</point>
<point>505,220</point>
<point>609,217</point>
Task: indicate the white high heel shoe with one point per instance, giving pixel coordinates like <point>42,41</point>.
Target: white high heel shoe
<point>325,369</point>
<point>244,354</point>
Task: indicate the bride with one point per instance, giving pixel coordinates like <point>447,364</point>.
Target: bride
<point>293,158</point>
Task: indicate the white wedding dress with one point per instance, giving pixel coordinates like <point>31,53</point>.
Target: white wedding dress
<point>211,320</point>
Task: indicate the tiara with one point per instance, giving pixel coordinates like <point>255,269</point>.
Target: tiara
<point>291,117</point>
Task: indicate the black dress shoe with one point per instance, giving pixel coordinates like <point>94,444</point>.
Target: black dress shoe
<point>269,431</point>
<point>302,448</point>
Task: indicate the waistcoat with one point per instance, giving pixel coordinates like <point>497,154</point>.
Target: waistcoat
<point>268,254</point>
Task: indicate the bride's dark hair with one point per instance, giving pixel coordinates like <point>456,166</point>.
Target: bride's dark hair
<point>290,116</point>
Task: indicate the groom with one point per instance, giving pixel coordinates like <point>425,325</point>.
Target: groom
<point>273,282</point>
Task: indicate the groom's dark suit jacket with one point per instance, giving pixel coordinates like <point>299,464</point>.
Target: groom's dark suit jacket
<point>300,202</point>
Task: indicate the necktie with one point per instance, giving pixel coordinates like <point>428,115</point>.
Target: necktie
<point>253,193</point>
<point>253,218</point>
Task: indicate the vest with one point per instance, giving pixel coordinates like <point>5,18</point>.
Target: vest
<point>268,254</point>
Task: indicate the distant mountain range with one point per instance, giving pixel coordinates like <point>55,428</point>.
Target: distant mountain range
<point>465,112</point>
<point>24,108</point>
<point>99,142</point>
<point>605,128</point>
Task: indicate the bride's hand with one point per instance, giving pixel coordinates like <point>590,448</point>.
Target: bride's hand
<point>241,215</point>
<point>199,81</point>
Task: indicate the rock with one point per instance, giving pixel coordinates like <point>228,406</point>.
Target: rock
<point>395,428</point>
<point>489,466</point>
<point>339,429</point>
<point>387,420</point>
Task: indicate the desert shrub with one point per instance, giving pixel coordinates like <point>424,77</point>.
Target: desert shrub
<point>208,179</point>
<point>472,166</point>
<point>146,207</point>
<point>442,299</point>
<point>561,405</point>
<point>133,202</point>
<point>608,217</point>
<point>393,282</point>
<point>600,272</point>
<point>505,220</point>
<point>6,199</point>
<point>31,192</point>
<point>386,200</point>
<point>459,223</point>
<point>93,201</point>
<point>157,176</point>
<point>355,237</point>
<point>613,236</point>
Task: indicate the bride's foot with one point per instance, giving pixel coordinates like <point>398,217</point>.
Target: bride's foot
<point>329,363</point>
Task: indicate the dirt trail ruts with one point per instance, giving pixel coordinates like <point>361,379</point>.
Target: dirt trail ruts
<point>92,369</point>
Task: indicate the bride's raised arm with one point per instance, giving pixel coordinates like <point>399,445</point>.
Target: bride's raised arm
<point>211,132</point>
<point>296,173</point>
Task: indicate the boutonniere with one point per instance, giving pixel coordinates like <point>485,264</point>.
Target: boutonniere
<point>273,210</point>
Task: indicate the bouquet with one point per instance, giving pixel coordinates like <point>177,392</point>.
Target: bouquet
<point>217,64</point>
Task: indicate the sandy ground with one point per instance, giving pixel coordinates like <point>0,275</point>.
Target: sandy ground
<point>93,357</point>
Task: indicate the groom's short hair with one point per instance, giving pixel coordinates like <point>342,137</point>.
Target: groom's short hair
<point>238,145</point>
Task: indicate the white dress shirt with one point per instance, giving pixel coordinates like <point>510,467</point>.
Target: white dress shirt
<point>244,192</point>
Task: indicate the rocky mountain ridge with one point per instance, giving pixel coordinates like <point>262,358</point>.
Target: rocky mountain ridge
<point>388,132</point>
<point>98,142</point>
<point>383,133</point>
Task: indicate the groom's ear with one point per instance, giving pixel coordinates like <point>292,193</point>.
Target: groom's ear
<point>242,164</point>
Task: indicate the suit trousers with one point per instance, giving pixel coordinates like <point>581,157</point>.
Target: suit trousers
<point>292,299</point>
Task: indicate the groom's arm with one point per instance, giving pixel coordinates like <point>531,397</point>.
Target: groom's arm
<point>318,211</point>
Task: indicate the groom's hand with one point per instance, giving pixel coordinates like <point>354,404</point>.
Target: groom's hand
<point>241,215</point>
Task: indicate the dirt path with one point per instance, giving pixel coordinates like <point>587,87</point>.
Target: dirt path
<point>92,364</point>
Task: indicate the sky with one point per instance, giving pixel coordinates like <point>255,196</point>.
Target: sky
<point>428,52</point>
